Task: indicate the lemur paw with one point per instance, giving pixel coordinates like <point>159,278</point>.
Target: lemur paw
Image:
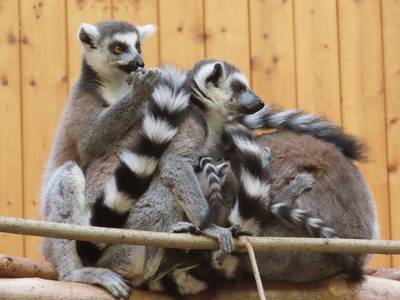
<point>225,240</point>
<point>144,78</point>
<point>238,231</point>
<point>181,227</point>
<point>106,278</point>
<point>303,182</point>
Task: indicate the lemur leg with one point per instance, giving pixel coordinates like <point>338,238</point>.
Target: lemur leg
<point>64,201</point>
<point>179,175</point>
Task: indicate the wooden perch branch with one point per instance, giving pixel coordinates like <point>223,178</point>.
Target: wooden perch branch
<point>187,241</point>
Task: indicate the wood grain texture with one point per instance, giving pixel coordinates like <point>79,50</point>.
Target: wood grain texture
<point>363,103</point>
<point>140,13</point>
<point>391,46</point>
<point>11,202</point>
<point>228,37</point>
<point>317,57</point>
<point>272,51</point>
<point>44,91</point>
<point>181,32</point>
<point>82,11</point>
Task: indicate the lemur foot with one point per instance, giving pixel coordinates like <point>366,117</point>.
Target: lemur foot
<point>106,278</point>
<point>181,227</point>
<point>225,240</point>
<point>303,182</point>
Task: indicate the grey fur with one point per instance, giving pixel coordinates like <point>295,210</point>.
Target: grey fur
<point>91,130</point>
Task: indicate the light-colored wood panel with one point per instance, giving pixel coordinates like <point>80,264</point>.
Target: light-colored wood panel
<point>272,51</point>
<point>44,90</point>
<point>82,11</point>
<point>317,57</point>
<point>228,37</point>
<point>181,32</point>
<point>11,203</point>
<point>141,13</point>
<point>363,97</point>
<point>391,38</point>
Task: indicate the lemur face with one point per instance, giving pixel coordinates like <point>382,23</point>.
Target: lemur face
<point>113,46</point>
<point>222,85</point>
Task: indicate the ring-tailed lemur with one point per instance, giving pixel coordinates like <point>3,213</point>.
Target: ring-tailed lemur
<point>101,109</point>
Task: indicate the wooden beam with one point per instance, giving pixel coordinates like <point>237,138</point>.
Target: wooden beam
<point>334,288</point>
<point>187,241</point>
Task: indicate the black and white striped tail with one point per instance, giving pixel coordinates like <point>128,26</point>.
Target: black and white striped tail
<point>214,176</point>
<point>251,160</point>
<point>166,109</point>
<point>298,121</point>
<point>317,228</point>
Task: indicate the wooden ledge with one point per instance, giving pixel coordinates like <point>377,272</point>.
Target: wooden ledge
<point>334,288</point>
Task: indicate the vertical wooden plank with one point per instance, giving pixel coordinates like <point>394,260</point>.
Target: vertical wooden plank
<point>140,13</point>
<point>391,38</point>
<point>44,90</point>
<point>228,37</point>
<point>272,51</point>
<point>11,204</point>
<point>318,88</point>
<point>181,32</point>
<point>363,97</point>
<point>82,11</point>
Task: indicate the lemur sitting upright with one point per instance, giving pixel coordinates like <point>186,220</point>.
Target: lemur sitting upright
<point>101,109</point>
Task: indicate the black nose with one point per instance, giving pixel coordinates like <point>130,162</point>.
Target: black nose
<point>260,104</point>
<point>133,65</point>
<point>139,62</point>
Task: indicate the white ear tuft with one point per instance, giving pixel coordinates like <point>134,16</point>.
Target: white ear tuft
<point>88,33</point>
<point>146,30</point>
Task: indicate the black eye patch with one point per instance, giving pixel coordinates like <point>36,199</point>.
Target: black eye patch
<point>122,46</point>
<point>238,87</point>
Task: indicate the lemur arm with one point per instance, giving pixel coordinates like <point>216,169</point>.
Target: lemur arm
<point>177,173</point>
<point>108,125</point>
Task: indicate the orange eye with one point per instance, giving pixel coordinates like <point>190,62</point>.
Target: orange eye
<point>117,50</point>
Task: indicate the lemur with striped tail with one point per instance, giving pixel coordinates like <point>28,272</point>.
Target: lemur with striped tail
<point>219,90</point>
<point>101,110</point>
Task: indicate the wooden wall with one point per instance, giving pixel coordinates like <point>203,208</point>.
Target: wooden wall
<point>339,58</point>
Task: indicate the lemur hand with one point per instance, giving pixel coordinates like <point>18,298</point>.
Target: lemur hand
<point>143,81</point>
<point>302,182</point>
<point>182,227</point>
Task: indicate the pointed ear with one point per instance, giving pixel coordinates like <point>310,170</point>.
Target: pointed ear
<point>88,34</point>
<point>146,30</point>
<point>216,74</point>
